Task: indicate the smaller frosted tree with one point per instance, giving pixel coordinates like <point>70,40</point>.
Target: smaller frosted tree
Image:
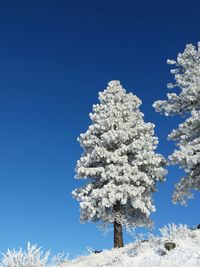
<point>120,163</point>
<point>186,102</point>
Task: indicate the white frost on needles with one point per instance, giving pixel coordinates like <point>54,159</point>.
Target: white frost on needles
<point>187,79</point>
<point>187,136</point>
<point>119,160</point>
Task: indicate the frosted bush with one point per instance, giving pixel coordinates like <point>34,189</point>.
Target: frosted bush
<point>33,257</point>
<point>59,260</point>
<point>173,231</point>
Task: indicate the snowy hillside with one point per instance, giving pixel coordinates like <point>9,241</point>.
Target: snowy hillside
<point>142,253</point>
<point>151,253</point>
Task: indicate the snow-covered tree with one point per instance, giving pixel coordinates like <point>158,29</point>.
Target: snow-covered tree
<point>186,102</point>
<point>120,163</point>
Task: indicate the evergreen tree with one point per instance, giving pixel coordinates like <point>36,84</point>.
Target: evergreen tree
<point>120,163</point>
<point>186,102</point>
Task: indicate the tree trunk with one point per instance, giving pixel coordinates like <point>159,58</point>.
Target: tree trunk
<point>118,235</point>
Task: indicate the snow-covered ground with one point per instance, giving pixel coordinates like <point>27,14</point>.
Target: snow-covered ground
<point>151,253</point>
<point>148,253</point>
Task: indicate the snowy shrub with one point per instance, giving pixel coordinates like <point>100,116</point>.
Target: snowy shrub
<point>33,257</point>
<point>59,260</point>
<point>173,231</point>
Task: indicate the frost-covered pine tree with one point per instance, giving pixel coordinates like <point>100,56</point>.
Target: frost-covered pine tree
<point>120,163</point>
<point>186,102</point>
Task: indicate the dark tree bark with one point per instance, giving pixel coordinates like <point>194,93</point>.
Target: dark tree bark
<point>118,234</point>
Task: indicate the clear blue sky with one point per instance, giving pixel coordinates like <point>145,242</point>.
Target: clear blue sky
<point>54,58</point>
